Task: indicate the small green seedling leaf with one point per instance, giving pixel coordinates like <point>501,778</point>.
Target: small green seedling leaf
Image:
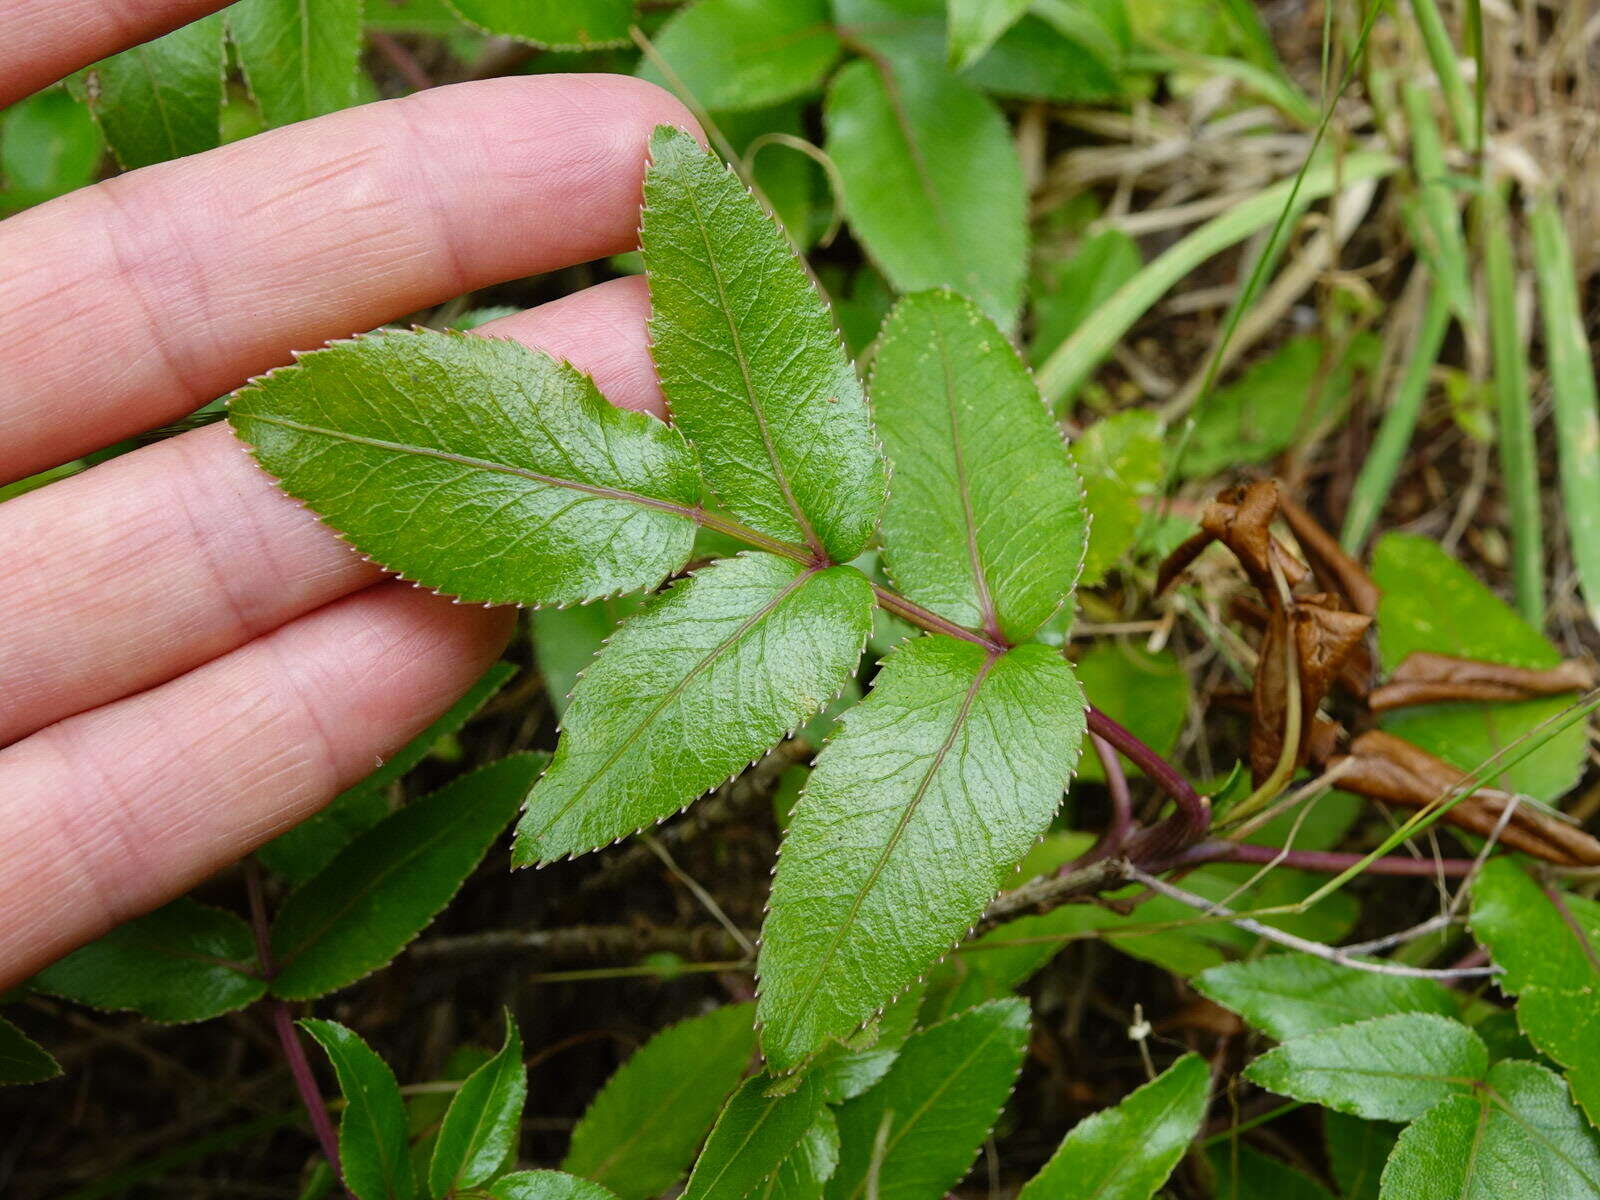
<point>1127,1152</point>
<point>985,523</point>
<point>546,1185</point>
<point>752,1138</point>
<point>372,1131</point>
<point>311,845</point>
<point>1292,995</point>
<point>749,359</point>
<point>1390,1068</point>
<point>476,466</point>
<point>939,1101</point>
<point>481,1126</point>
<point>161,100</point>
<point>932,183</point>
<point>1516,1135</point>
<point>641,1133</point>
<point>732,55</point>
<point>1431,602</point>
<point>964,755</point>
<point>23,1060</point>
<point>384,888</point>
<point>1550,962</point>
<point>553,24</point>
<point>186,961</point>
<point>298,56</point>
<point>805,1173</point>
<point>699,682</point>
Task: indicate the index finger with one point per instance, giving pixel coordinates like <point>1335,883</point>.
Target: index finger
<point>42,41</point>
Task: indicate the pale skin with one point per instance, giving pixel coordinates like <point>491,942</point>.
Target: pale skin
<point>190,663</point>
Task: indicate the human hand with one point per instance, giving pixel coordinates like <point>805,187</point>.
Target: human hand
<point>189,662</point>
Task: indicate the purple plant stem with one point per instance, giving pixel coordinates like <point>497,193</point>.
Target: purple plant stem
<point>294,1049</point>
<point>1330,861</point>
<point>1193,813</point>
<point>1121,823</point>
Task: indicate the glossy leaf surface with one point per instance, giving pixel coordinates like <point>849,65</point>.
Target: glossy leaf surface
<point>915,813</point>
<point>740,54</point>
<point>749,359</point>
<point>482,1124</point>
<point>186,961</point>
<point>1551,963</point>
<point>1391,1068</point>
<point>298,56</point>
<point>476,466</point>
<point>641,1133</point>
<point>940,1099</point>
<point>1127,1152</point>
<point>384,888</point>
<point>752,1138</point>
<point>985,523</point>
<point>702,680</point>
<point>546,1185</point>
<point>372,1129</point>
<point>1292,995</point>
<point>161,100</point>
<point>1518,1135</point>
<point>932,184</point>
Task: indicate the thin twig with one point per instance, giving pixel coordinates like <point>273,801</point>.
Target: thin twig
<point>1316,949</point>
<point>707,900</point>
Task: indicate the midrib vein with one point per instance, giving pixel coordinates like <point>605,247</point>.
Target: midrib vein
<point>482,464</point>
<point>900,828</point>
<point>675,691</point>
<point>779,474</point>
<point>986,608</point>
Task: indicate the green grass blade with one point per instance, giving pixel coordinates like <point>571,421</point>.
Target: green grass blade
<point>1076,358</point>
<point>1442,54</point>
<point>1438,221</point>
<point>1399,423</point>
<point>1519,466</point>
<point>1573,388</point>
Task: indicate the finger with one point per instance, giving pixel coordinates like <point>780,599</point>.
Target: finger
<point>141,298</point>
<point>42,41</point>
<point>167,557</point>
<point>111,813</point>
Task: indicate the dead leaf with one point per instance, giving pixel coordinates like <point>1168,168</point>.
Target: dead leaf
<point>1424,678</point>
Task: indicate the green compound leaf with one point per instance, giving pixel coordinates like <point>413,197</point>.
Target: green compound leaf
<point>546,1185</point>
<point>805,1173</point>
<point>915,813</point>
<point>482,1125</point>
<point>750,362</point>
<point>753,1137</point>
<point>1431,602</point>
<point>298,56</point>
<point>732,55</point>
<point>932,183</point>
<point>703,679</point>
<point>985,523</point>
<point>1390,1068</point>
<point>161,100</point>
<point>1551,965</point>
<point>23,1060</point>
<point>301,852</point>
<point>1127,1152</point>
<point>1293,995</point>
<point>476,466</point>
<point>553,24</point>
<point>384,888</point>
<point>939,1101</point>
<point>186,961</point>
<point>372,1131</point>
<point>1518,1135</point>
<point>641,1133</point>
